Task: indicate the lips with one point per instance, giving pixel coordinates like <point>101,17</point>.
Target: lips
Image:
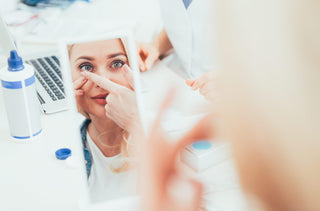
<point>100,99</point>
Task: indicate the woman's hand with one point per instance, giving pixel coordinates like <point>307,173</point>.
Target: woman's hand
<point>77,85</point>
<point>148,54</point>
<point>205,85</point>
<point>121,104</point>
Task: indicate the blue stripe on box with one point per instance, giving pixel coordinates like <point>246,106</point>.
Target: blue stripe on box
<point>26,137</point>
<point>17,84</point>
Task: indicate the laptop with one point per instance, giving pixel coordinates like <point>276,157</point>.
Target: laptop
<point>49,83</point>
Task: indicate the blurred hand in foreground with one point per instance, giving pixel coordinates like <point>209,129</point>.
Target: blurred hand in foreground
<point>163,186</point>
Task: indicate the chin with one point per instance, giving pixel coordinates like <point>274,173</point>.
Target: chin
<point>101,113</point>
<point>97,110</point>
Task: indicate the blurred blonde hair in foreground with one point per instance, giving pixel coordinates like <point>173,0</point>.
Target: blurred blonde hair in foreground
<point>270,53</point>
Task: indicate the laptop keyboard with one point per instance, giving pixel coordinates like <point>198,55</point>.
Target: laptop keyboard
<point>48,73</point>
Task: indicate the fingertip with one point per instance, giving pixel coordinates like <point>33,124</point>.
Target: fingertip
<point>189,82</point>
<point>84,74</point>
<point>126,68</point>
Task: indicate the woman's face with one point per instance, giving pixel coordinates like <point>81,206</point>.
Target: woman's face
<point>104,58</point>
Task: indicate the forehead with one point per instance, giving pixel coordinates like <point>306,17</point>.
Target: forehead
<point>103,47</point>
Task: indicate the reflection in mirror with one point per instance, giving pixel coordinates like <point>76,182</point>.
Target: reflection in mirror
<point>105,98</point>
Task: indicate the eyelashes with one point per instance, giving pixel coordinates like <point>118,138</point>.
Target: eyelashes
<point>113,66</point>
<point>86,67</point>
<point>117,64</point>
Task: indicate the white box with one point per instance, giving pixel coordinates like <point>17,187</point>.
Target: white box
<point>205,156</point>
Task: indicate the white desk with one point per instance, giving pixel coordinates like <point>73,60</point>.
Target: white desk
<point>31,177</point>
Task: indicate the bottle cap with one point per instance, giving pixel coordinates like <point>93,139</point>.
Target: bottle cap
<point>15,62</point>
<point>63,153</point>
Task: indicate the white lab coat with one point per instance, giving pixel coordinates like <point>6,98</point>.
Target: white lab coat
<point>192,34</point>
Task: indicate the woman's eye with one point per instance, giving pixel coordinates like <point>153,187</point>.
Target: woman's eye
<point>86,67</point>
<point>117,64</point>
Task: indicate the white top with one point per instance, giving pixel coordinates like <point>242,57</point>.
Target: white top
<point>104,184</point>
<point>192,33</point>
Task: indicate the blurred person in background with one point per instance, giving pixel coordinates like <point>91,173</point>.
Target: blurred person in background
<point>270,108</point>
<point>190,35</point>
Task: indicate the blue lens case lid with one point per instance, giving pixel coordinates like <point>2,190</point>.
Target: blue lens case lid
<point>202,145</point>
<point>63,153</point>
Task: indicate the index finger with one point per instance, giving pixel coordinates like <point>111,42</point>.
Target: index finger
<point>128,75</point>
<point>165,104</point>
<point>78,83</point>
<point>103,82</point>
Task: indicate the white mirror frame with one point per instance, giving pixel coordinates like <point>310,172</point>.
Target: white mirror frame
<point>125,203</point>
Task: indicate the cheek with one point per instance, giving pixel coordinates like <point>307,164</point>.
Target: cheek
<point>75,74</point>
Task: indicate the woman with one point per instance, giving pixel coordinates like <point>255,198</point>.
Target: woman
<point>104,137</point>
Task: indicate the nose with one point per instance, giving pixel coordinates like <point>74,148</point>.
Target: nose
<point>101,71</point>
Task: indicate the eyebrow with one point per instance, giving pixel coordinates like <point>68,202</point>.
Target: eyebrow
<point>116,54</point>
<point>109,56</point>
<point>84,57</point>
